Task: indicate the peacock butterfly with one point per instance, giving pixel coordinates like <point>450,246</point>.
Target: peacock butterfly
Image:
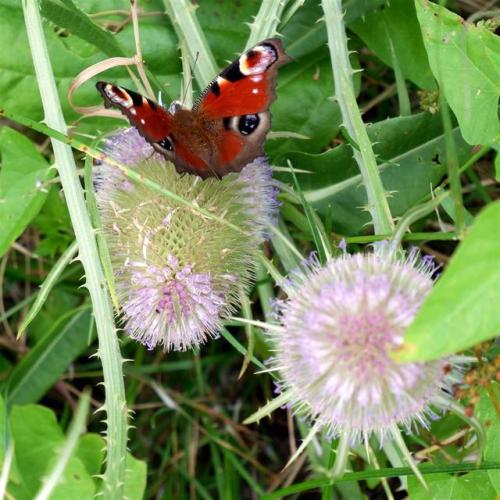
<point>228,123</point>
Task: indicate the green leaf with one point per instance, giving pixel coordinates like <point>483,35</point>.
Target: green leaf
<point>135,478</point>
<point>37,436</point>
<point>398,21</point>
<point>465,60</point>
<point>17,78</point>
<point>446,487</point>
<point>411,153</point>
<point>59,299</point>
<point>91,452</point>
<point>22,174</point>
<point>462,309</point>
<point>54,225</point>
<point>305,34</point>
<point>67,15</point>
<point>486,413</point>
<point>50,357</point>
<point>304,106</point>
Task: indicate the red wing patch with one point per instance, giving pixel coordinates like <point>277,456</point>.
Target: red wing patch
<point>246,86</point>
<point>152,121</point>
<point>190,161</point>
<point>230,147</point>
<point>250,95</point>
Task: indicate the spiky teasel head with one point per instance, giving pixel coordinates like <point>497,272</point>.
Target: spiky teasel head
<point>340,324</point>
<point>178,272</point>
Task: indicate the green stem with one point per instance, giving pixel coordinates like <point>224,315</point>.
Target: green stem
<point>109,351</point>
<point>415,214</point>
<point>340,464</point>
<point>266,21</point>
<point>437,236</point>
<point>400,443</point>
<point>352,121</point>
<point>379,473</point>
<point>475,424</point>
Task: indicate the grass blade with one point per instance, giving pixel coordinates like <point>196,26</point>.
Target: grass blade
<point>48,284</point>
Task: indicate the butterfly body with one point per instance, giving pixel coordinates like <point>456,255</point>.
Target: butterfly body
<point>228,124</point>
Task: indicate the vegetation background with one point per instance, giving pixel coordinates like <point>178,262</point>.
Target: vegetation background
<point>429,97</point>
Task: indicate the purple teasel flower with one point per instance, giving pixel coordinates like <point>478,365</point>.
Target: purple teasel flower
<point>178,272</point>
<point>332,352</point>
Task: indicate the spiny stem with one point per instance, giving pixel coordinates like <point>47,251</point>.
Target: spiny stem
<point>344,93</point>
<point>266,21</point>
<point>109,351</point>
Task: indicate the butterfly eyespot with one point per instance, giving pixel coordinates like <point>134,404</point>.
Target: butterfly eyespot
<point>166,143</point>
<point>248,124</point>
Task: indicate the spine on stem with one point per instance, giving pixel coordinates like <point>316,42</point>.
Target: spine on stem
<point>109,352</point>
<point>351,116</point>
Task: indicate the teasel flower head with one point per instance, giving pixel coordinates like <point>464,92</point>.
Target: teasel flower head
<point>340,323</point>
<point>178,273</point>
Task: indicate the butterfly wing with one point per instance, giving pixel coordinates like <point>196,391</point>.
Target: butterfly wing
<point>226,128</point>
<point>247,85</point>
<point>152,121</point>
<point>239,98</point>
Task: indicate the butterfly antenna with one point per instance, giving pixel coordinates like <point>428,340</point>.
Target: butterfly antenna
<point>188,82</point>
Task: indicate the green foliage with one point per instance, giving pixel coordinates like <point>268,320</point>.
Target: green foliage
<point>411,152</point>
<point>444,486</point>
<point>465,60</point>
<point>70,55</point>
<point>487,414</point>
<point>187,408</point>
<point>396,23</point>
<point>65,14</point>
<point>23,172</point>
<point>38,438</point>
<point>47,361</point>
<point>462,308</point>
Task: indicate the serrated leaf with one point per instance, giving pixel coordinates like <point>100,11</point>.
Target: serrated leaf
<point>411,152</point>
<point>23,170</point>
<point>465,60</point>
<point>462,308</point>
